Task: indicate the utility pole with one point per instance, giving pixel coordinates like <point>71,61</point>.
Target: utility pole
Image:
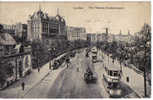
<point>145,85</point>
<point>38,59</point>
<point>16,68</point>
<point>49,58</point>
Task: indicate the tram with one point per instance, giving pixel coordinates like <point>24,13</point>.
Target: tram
<point>94,54</point>
<point>112,77</point>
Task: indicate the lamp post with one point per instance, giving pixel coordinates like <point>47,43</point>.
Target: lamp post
<point>37,58</point>
<point>49,58</point>
<point>51,54</point>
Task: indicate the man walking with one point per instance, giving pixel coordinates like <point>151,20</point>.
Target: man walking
<point>23,85</point>
<point>68,62</point>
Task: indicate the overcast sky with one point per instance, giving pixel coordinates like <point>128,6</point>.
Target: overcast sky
<point>95,17</point>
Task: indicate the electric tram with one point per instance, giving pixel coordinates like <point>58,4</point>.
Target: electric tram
<point>94,54</point>
<point>112,77</point>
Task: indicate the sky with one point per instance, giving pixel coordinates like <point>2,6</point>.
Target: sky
<point>94,16</point>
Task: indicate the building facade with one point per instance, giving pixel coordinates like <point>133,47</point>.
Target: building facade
<point>41,26</point>
<point>76,33</point>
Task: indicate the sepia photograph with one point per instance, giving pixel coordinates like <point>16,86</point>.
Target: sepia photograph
<point>75,49</point>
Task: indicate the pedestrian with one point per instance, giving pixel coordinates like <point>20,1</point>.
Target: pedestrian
<point>77,69</point>
<point>50,65</point>
<point>127,79</point>
<point>67,61</point>
<point>23,85</point>
<point>38,69</point>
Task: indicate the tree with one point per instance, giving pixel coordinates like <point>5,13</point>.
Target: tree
<point>143,45</point>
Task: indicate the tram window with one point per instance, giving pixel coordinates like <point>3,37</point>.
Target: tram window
<point>110,73</point>
<point>109,85</point>
<point>115,73</point>
<point>115,85</point>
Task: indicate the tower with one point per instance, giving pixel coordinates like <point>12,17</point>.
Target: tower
<point>120,32</point>
<point>57,11</point>
<point>128,32</point>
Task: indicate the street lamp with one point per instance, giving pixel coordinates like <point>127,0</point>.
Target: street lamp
<point>51,53</point>
<point>49,58</point>
<point>38,58</point>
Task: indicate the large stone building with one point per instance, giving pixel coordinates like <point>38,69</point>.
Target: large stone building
<point>76,33</point>
<point>46,28</point>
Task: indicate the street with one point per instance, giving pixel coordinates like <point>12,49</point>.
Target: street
<point>71,84</point>
<point>68,82</point>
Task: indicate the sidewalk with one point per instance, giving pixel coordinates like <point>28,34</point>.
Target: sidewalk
<point>136,81</point>
<point>15,90</point>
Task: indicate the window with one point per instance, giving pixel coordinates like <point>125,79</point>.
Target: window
<point>110,73</point>
<point>115,73</point>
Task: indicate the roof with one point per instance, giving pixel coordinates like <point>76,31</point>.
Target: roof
<point>7,39</point>
<point>112,66</point>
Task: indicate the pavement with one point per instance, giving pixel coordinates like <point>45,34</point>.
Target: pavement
<point>31,80</point>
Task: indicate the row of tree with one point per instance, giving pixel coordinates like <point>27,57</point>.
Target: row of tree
<point>137,53</point>
<point>41,53</point>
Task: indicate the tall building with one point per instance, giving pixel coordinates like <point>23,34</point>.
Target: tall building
<point>76,33</point>
<point>41,26</point>
<point>21,31</point>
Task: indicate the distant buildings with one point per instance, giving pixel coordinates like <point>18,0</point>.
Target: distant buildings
<point>21,31</point>
<point>91,37</point>
<point>125,38</point>
<point>76,33</point>
<point>18,31</point>
<point>103,37</point>
<point>9,29</point>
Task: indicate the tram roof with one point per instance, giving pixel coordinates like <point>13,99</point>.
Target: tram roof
<point>112,66</point>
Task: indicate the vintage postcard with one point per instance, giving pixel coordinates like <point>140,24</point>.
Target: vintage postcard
<point>75,49</point>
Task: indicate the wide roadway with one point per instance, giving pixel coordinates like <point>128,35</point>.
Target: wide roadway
<point>70,83</point>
